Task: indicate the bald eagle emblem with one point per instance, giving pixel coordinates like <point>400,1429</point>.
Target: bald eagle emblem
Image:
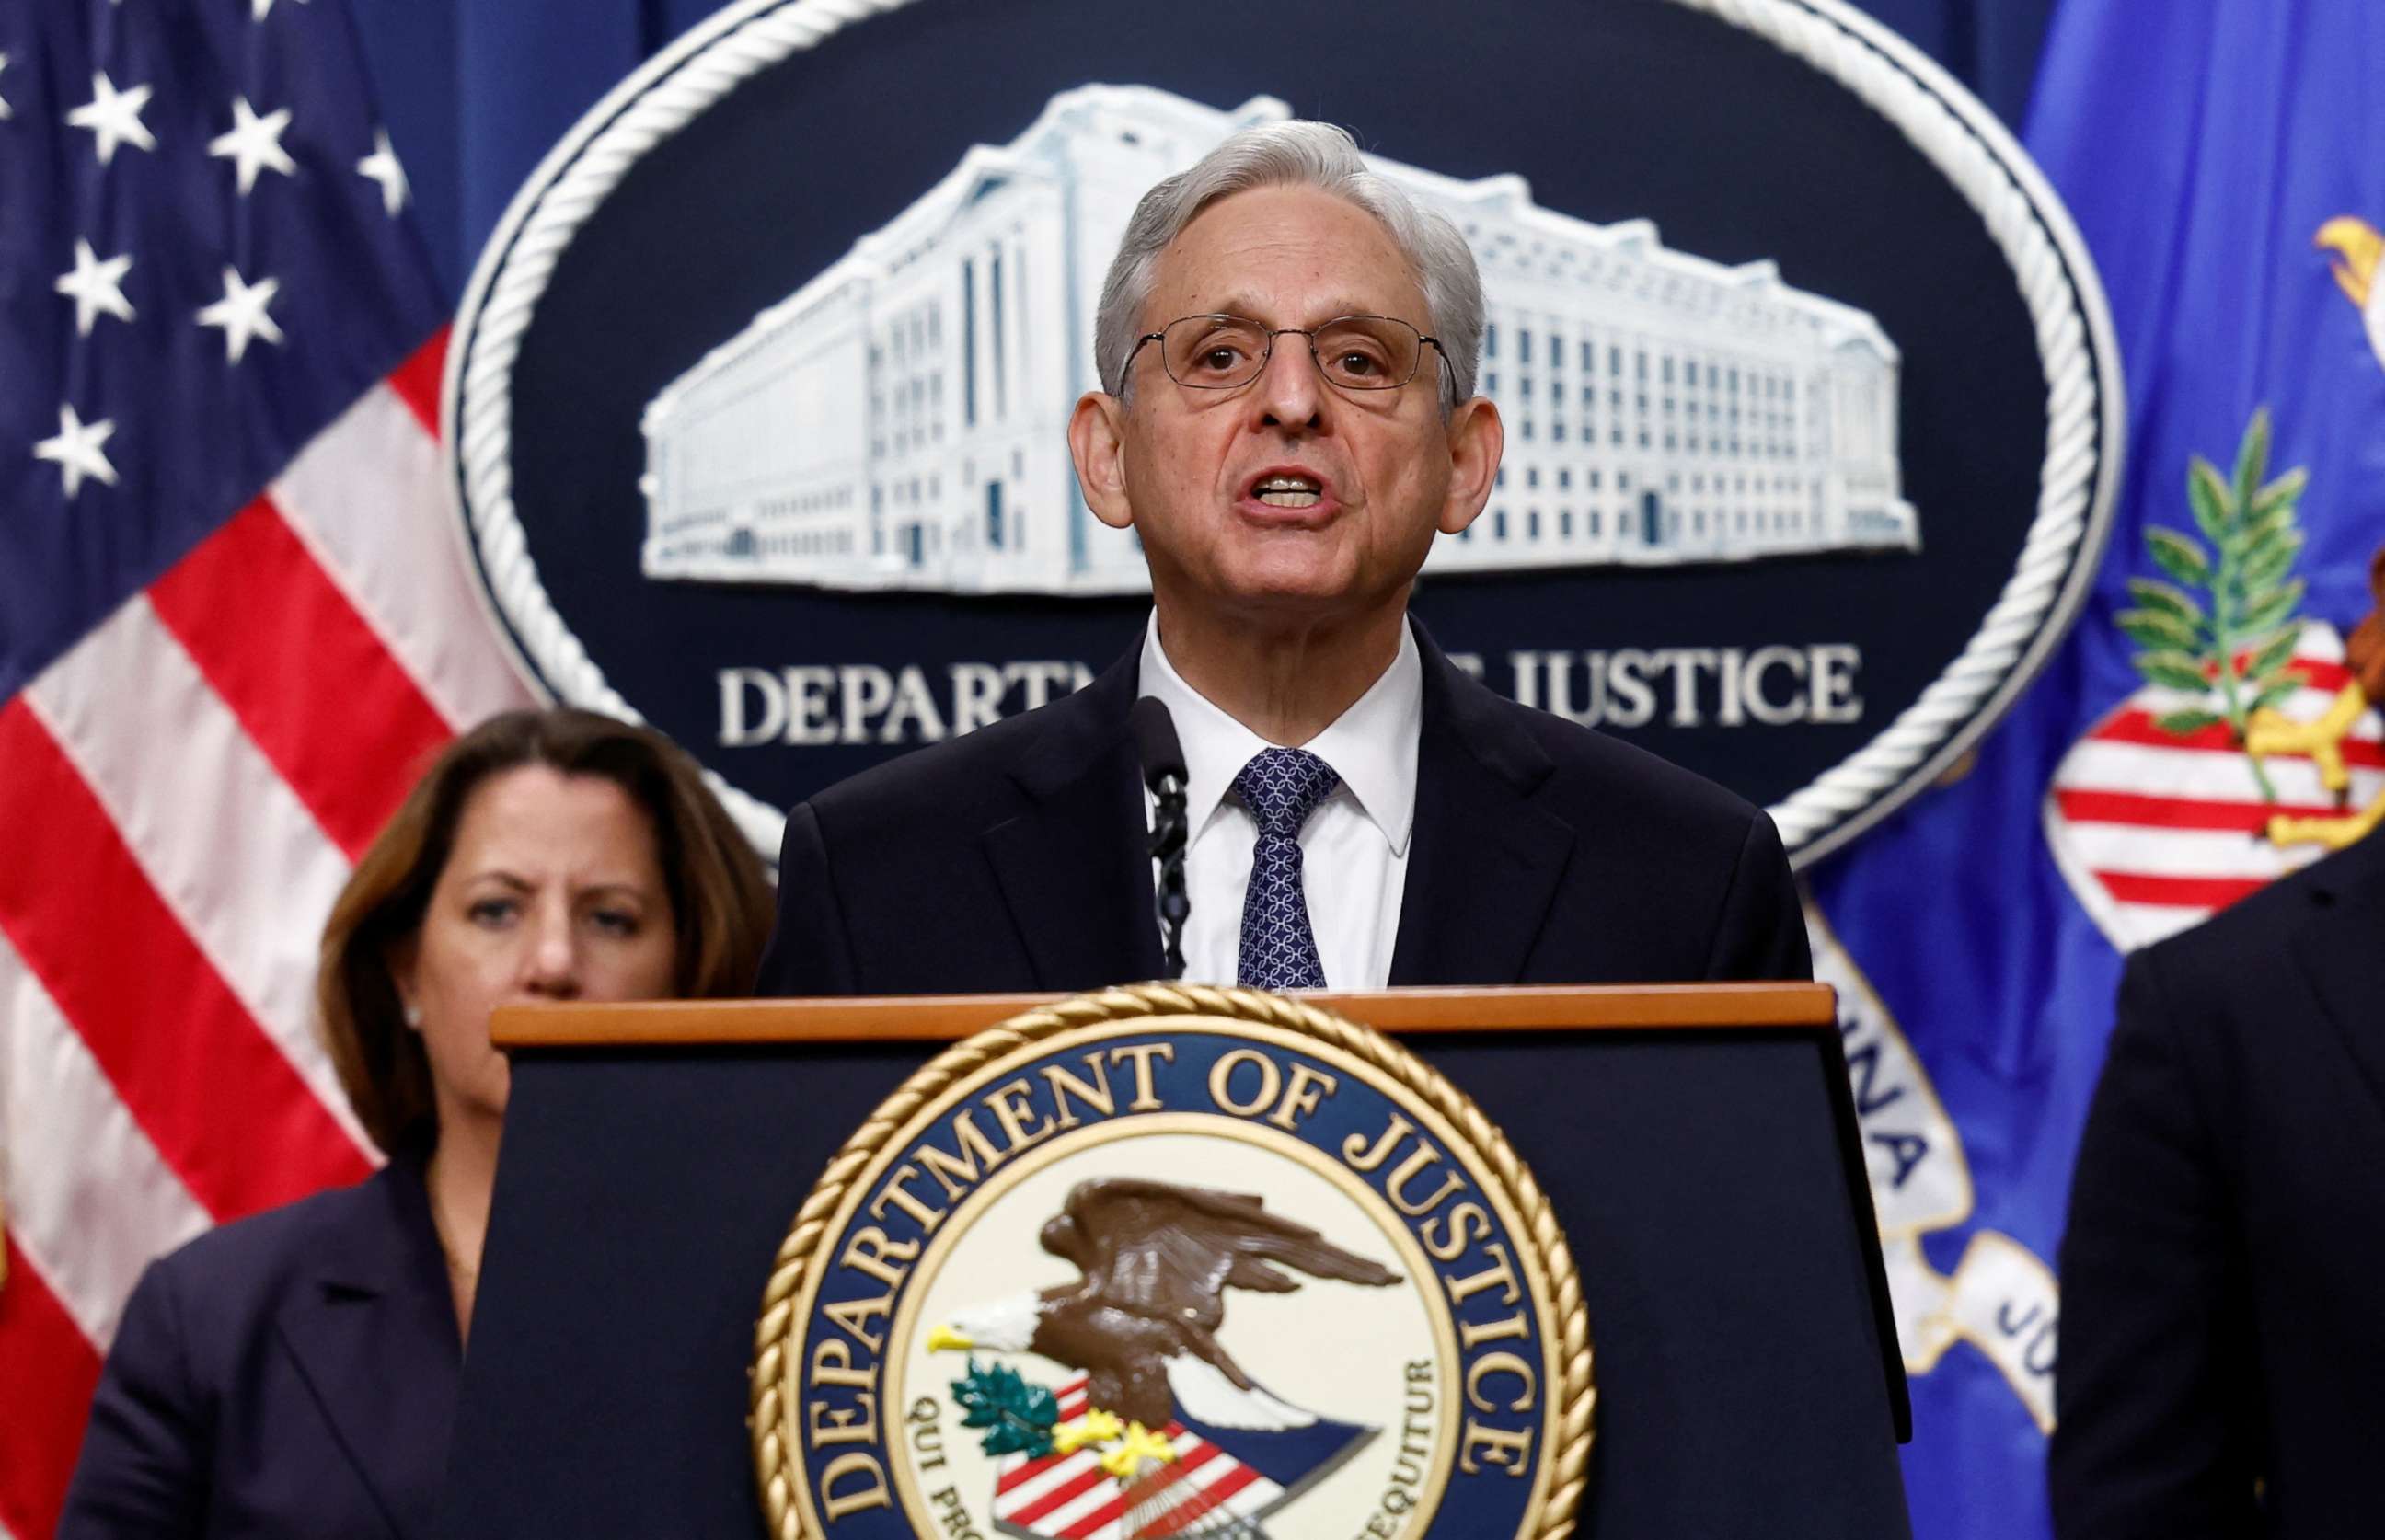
<point>1152,1382</point>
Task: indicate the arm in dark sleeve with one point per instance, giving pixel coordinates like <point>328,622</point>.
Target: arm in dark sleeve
<point>1761,934</point>
<point>146,1452</point>
<point>2154,1393</point>
<point>809,954</point>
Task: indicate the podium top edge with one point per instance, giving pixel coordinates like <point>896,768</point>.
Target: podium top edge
<point>944,1018</point>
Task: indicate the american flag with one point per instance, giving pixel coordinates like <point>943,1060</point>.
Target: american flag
<point>236,618</point>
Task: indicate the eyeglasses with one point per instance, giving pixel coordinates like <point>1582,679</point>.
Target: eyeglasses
<point>1355,352</point>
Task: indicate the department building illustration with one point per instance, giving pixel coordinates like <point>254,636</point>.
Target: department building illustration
<point>898,421</point>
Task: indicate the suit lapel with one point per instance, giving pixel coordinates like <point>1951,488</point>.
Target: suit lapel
<point>1485,859</point>
<point>1073,862</point>
<point>2342,950</point>
<point>373,1332</point>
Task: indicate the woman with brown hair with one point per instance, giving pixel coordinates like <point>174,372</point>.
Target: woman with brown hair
<point>295,1372</point>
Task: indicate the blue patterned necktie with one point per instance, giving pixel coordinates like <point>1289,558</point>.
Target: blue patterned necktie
<point>1282,787</point>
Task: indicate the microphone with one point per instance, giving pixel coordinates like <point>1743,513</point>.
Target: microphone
<point>1163,770</point>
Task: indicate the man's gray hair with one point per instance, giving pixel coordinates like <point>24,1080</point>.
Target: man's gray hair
<point>1296,155</point>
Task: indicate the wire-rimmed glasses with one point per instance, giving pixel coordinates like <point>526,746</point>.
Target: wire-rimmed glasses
<point>1353,352</point>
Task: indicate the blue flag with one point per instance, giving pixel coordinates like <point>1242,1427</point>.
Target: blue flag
<point>2196,735</point>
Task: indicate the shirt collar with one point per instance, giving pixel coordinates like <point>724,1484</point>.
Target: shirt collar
<point>1372,746</point>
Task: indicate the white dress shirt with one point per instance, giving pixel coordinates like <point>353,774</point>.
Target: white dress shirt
<point>1354,847</point>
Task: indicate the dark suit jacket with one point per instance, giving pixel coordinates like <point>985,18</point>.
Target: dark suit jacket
<point>2223,1277</point>
<point>1014,858</point>
<point>292,1374</point>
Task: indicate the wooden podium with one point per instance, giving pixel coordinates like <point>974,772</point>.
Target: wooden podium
<point>1698,1145</point>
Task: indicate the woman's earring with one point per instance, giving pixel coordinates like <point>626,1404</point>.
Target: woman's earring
<point>413,1014</point>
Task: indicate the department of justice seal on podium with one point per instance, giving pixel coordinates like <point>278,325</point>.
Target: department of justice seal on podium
<point>1170,1261</point>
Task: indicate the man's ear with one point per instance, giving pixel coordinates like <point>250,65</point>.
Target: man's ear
<point>1476,439</point>
<point>1097,442</point>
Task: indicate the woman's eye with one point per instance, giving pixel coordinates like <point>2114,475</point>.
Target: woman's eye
<point>617,922</point>
<point>493,911</point>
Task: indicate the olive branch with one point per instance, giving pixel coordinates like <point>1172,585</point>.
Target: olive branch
<point>1017,1417</point>
<point>2241,650</point>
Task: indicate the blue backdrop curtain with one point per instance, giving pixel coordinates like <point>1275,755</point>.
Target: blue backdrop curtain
<point>476,92</point>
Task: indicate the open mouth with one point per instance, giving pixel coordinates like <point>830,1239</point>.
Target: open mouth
<point>1288,491</point>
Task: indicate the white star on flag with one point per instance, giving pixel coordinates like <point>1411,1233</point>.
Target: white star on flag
<point>5,113</point>
<point>258,9</point>
<point>381,167</point>
<point>240,313</point>
<point>95,287</point>
<point>254,143</point>
<point>114,117</point>
<point>76,450</point>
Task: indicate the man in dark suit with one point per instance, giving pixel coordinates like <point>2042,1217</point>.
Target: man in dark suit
<point>1288,350</point>
<point>2223,1344</point>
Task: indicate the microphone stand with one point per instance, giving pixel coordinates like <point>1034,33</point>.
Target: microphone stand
<point>1167,838</point>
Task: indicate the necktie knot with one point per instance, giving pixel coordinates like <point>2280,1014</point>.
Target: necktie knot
<point>1283,787</point>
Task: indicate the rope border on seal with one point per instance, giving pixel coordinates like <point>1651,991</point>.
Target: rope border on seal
<point>772,1423</point>
<point>2079,475</point>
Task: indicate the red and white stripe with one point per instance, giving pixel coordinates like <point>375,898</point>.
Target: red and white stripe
<point>1071,1498</point>
<point>181,795</point>
<point>2157,832</point>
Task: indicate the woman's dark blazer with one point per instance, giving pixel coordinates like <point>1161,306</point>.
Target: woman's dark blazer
<point>291,1374</point>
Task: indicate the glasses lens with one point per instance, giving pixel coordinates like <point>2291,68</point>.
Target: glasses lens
<point>1368,353</point>
<point>1213,352</point>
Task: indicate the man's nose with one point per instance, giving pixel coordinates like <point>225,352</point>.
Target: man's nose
<point>1290,389</point>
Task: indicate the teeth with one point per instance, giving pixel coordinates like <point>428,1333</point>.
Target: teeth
<point>1289,497</point>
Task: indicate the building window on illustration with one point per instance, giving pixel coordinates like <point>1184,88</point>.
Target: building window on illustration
<point>1532,476</point>
<point>914,538</point>
<point>968,343</point>
<point>1532,524</point>
<point>994,515</point>
<point>878,498</point>
<point>1501,479</point>
<point>1524,388</point>
<point>1499,525</point>
<point>1640,359</point>
<point>1644,438</point>
<point>1589,357</point>
<point>1490,383</point>
<point>1564,524</point>
<point>1614,362</point>
<point>1556,431</point>
<point>1524,347</point>
<point>1491,342</point>
<point>1528,430</point>
<point>1594,521</point>
<point>994,297</point>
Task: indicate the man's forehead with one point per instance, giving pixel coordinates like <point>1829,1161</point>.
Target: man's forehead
<point>1272,249</point>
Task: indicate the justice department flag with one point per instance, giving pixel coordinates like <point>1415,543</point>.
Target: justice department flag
<point>2198,734</point>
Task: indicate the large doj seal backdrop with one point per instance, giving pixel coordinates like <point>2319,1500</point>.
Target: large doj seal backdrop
<point>1236,1266</point>
<point>758,395</point>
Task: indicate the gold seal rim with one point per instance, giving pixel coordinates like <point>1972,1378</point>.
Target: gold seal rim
<point>771,1420</point>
